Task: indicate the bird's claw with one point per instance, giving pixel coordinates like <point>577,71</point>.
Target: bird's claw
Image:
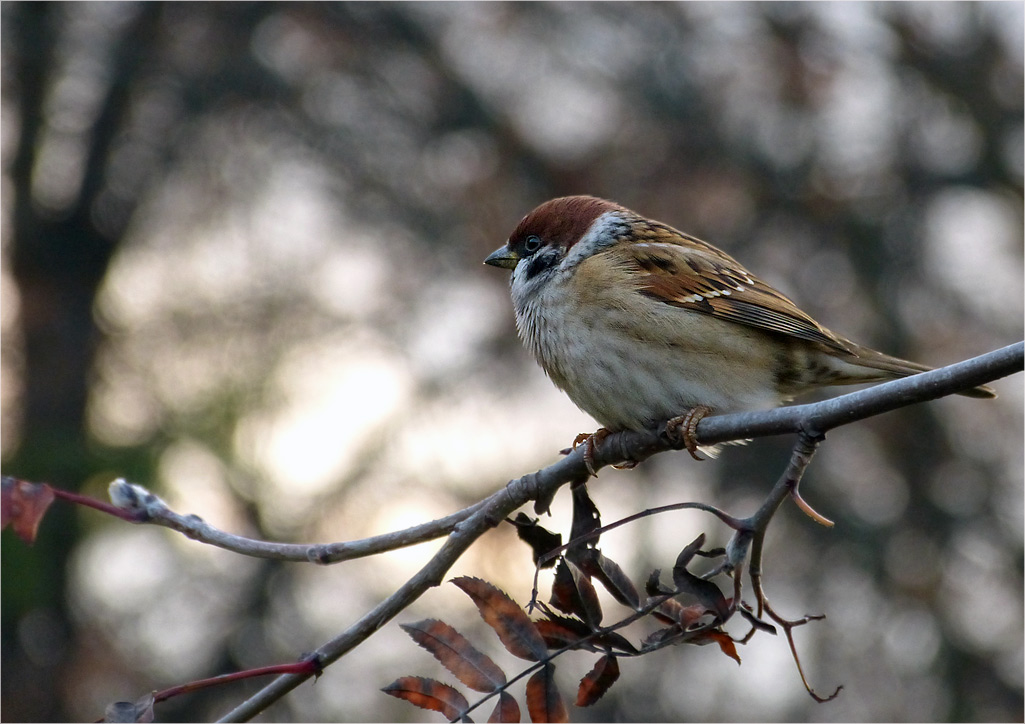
<point>591,442</point>
<point>683,429</point>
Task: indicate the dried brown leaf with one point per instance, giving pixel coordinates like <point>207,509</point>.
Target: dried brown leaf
<point>564,595</point>
<point>572,593</point>
<point>540,539</point>
<point>586,519</point>
<point>23,505</point>
<point>656,639</point>
<point>560,632</point>
<point>722,638</point>
<point>614,580</point>
<point>598,680</point>
<point>544,702</point>
<point>674,612</point>
<point>429,694</point>
<point>506,710</point>
<point>698,635</point>
<point>690,550</point>
<point>504,615</point>
<point>588,597</point>
<point>705,591</point>
<point>757,622</point>
<point>457,654</point>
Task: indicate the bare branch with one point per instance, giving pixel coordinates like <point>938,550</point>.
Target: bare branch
<point>812,421</point>
<point>144,507</point>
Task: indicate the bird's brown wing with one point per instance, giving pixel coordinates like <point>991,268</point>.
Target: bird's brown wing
<point>685,272</point>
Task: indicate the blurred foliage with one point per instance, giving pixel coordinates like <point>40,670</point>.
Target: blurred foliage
<point>242,247</point>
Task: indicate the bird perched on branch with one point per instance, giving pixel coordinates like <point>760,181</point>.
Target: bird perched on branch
<point>640,323</point>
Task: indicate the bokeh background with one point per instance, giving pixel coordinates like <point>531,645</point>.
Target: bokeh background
<point>242,252</point>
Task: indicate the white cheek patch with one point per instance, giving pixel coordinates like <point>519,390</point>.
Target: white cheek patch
<point>603,232</point>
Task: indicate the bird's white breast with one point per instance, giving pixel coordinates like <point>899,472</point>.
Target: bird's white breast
<point>630,361</point>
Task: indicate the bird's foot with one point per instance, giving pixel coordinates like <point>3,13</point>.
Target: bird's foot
<point>591,442</point>
<point>682,429</point>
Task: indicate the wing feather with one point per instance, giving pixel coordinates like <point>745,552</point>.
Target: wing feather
<point>685,272</point>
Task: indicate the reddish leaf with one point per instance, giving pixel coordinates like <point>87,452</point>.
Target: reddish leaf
<point>456,654</point>
<point>612,640</point>
<point>598,680</point>
<point>674,612</point>
<point>506,710</point>
<point>586,519</point>
<point>429,694</point>
<point>544,702</point>
<point>562,632</point>
<point>723,639</point>
<point>504,615</point>
<point>573,593</point>
<point>564,596</point>
<point>23,504</point>
<point>612,577</point>
<point>588,596</point>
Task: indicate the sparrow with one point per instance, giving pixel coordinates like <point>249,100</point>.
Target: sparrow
<point>641,324</point>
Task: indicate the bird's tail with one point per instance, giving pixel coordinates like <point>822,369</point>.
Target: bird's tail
<point>894,367</point>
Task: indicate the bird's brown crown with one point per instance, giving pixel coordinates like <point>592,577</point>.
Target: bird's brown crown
<point>561,222</point>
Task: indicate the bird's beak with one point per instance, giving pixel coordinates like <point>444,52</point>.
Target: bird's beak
<point>503,257</point>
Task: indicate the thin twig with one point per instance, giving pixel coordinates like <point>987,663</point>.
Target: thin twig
<point>757,524</point>
<point>138,505</point>
<point>787,485</point>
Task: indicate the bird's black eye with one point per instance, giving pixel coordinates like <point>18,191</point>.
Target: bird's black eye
<point>532,244</point>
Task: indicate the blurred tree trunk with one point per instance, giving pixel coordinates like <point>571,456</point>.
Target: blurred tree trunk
<point>59,260</point>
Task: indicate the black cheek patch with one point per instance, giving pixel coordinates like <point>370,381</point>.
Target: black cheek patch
<point>543,261</point>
